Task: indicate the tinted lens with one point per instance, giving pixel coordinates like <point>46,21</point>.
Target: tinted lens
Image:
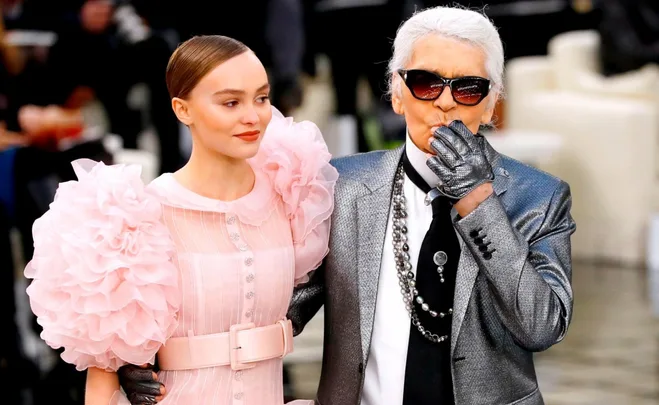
<point>470,91</point>
<point>424,85</point>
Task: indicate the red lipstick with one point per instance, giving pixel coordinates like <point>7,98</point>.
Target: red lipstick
<point>249,136</point>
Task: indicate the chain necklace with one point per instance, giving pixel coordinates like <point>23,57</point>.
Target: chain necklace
<point>404,267</point>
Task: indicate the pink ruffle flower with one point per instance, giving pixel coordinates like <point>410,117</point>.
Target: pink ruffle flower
<point>295,158</point>
<point>104,287</point>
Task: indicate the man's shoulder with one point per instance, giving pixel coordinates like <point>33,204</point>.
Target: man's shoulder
<point>356,167</point>
<point>528,177</point>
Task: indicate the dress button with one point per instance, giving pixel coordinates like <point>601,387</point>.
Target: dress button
<point>239,375</point>
<point>234,236</point>
<point>249,261</point>
<point>249,278</point>
<point>238,396</point>
<point>231,220</point>
<point>249,295</point>
<point>243,248</point>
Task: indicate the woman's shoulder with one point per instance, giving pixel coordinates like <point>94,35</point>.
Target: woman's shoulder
<point>295,157</point>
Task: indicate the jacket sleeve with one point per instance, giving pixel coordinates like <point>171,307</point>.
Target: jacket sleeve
<point>530,280</point>
<point>307,300</point>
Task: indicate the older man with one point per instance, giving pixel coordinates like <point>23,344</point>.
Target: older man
<point>450,263</point>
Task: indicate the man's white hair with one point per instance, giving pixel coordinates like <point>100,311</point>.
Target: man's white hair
<point>457,23</point>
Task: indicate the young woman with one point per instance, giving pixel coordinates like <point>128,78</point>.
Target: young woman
<point>198,267</point>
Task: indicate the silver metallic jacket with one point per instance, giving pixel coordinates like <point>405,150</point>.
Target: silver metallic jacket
<point>507,306</point>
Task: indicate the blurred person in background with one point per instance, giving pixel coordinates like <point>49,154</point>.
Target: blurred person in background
<point>31,114</point>
<point>274,29</point>
<point>12,359</point>
<point>30,158</point>
<point>17,373</point>
<point>358,47</point>
<point>25,80</point>
<point>108,46</point>
<point>629,33</point>
<point>113,45</point>
<point>103,49</point>
<point>25,172</point>
<point>13,362</point>
<point>114,52</point>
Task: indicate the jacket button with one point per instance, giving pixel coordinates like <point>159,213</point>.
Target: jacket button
<point>474,233</point>
<point>361,368</point>
<point>487,255</point>
<point>478,241</point>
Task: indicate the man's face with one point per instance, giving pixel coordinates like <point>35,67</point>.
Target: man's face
<point>448,58</point>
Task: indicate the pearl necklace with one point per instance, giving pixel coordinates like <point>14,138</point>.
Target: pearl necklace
<point>404,267</point>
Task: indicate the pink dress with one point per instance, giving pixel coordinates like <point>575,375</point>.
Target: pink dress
<point>120,267</point>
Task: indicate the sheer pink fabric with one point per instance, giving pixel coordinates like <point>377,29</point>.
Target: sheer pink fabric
<point>235,262</point>
<point>231,272</point>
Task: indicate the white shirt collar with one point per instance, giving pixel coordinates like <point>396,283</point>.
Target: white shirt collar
<point>418,159</point>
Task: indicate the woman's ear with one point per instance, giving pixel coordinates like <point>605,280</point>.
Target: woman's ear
<point>181,109</point>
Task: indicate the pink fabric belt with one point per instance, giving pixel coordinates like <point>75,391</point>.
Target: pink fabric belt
<point>241,348</point>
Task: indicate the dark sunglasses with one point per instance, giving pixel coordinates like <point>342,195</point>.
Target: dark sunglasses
<point>424,85</point>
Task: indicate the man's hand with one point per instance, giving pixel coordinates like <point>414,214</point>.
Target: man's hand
<point>460,164</point>
<point>141,384</point>
<point>9,139</point>
<point>96,15</point>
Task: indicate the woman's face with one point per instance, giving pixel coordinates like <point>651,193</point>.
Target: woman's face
<point>229,109</point>
<point>448,58</point>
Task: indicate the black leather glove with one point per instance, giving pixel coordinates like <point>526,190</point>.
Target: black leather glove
<point>140,384</point>
<point>460,161</point>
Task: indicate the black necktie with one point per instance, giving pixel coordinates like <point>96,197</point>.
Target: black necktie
<point>428,370</point>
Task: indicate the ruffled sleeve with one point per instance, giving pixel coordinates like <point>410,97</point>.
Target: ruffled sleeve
<point>104,286</point>
<point>297,161</point>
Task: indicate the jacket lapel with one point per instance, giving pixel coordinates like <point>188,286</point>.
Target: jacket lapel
<point>372,216</point>
<point>464,284</point>
<point>467,267</point>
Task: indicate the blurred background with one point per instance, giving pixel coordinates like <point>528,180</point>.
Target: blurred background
<point>85,78</point>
